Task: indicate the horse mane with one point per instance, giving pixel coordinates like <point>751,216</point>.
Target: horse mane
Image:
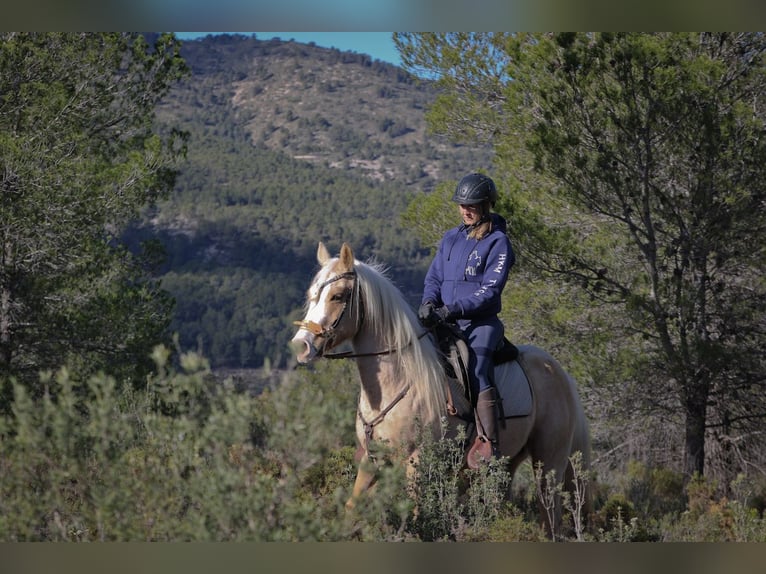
<point>393,321</point>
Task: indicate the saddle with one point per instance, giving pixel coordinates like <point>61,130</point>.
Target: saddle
<point>455,351</point>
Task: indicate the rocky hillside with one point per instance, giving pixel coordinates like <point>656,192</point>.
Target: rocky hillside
<point>333,108</point>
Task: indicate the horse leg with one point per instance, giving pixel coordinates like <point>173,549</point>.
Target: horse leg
<point>365,479</point>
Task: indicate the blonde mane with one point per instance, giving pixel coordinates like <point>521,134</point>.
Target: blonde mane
<point>394,323</point>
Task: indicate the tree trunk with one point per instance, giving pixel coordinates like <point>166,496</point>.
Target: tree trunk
<point>5,307</point>
<point>5,328</point>
<point>696,419</point>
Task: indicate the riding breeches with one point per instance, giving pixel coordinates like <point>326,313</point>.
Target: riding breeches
<point>483,338</point>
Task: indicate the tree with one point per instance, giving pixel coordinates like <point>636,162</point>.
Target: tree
<point>80,157</point>
<point>650,155</point>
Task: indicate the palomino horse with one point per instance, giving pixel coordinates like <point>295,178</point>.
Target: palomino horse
<point>403,382</point>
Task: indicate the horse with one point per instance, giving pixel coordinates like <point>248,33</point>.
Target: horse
<point>404,385</point>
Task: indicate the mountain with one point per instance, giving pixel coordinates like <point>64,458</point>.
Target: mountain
<point>329,107</point>
<point>289,144</point>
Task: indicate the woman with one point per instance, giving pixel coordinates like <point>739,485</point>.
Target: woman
<point>464,284</point>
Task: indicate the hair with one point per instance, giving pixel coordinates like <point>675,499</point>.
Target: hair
<point>394,321</point>
<point>484,227</point>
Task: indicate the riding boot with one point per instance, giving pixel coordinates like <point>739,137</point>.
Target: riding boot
<point>485,446</point>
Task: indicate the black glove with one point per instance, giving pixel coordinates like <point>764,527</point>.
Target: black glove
<point>425,312</point>
<point>430,315</point>
<point>442,314</point>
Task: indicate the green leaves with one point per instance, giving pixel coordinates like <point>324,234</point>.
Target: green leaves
<point>79,160</point>
<point>634,165</point>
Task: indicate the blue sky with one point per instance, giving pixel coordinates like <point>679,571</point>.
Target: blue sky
<point>378,45</point>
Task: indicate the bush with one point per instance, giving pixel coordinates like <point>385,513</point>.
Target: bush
<point>712,519</point>
<point>189,459</point>
<point>183,460</point>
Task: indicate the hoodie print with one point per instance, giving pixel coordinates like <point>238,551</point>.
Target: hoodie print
<point>474,262</point>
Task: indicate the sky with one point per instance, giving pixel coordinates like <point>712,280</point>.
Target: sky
<point>378,45</point>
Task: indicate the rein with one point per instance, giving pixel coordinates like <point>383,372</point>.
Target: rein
<point>350,355</point>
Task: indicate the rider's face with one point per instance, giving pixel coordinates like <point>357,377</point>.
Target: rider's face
<point>470,213</point>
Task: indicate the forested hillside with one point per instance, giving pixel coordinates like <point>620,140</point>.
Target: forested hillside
<point>289,144</point>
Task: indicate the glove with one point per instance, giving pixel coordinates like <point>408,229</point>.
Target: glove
<point>442,314</point>
<point>430,315</point>
<point>425,314</point>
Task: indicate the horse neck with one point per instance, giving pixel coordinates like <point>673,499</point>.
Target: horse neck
<point>378,374</point>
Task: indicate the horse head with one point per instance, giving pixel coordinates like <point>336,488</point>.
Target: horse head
<point>331,306</point>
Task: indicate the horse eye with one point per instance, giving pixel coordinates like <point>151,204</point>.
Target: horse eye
<point>341,295</point>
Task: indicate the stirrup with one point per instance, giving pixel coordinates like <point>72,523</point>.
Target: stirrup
<point>481,452</point>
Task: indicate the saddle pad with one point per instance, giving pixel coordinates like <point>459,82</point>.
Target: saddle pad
<point>513,386</point>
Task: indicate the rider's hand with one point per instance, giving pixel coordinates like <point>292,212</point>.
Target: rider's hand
<point>425,312</point>
<point>430,315</point>
<point>442,314</point>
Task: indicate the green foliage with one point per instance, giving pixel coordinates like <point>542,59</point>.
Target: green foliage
<point>179,461</point>
<point>454,503</point>
<point>80,158</point>
<point>430,215</point>
<point>634,173</point>
<point>654,491</point>
<point>481,61</point>
<point>190,459</point>
<point>185,459</point>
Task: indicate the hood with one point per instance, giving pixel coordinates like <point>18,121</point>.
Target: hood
<point>499,222</point>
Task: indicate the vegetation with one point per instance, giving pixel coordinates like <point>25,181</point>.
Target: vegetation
<point>79,160</point>
<point>188,459</point>
<point>635,169</point>
<point>111,430</point>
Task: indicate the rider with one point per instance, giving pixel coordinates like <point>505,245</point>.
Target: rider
<point>464,284</point>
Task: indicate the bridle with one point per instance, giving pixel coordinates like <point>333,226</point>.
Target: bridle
<point>328,333</point>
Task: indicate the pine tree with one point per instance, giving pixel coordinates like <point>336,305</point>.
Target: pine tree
<point>80,157</point>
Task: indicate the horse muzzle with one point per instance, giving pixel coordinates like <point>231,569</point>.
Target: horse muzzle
<point>303,346</point>
<point>304,350</point>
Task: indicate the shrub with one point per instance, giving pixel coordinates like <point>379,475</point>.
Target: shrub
<point>712,519</point>
<point>183,460</point>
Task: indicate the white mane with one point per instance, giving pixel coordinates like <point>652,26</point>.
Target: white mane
<point>394,323</point>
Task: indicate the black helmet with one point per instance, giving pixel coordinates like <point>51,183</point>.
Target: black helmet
<point>475,188</point>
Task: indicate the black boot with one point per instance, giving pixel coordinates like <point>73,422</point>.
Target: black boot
<point>485,446</point>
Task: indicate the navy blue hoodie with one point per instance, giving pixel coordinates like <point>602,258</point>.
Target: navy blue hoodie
<point>468,275</point>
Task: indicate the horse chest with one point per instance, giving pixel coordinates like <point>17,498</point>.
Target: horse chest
<point>387,422</point>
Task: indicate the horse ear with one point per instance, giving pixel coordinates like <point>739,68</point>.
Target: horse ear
<point>346,257</point>
<point>323,256</point>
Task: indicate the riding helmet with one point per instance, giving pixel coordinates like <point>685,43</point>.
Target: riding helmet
<point>475,188</point>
